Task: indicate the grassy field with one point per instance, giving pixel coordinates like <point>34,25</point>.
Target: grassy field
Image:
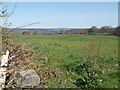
<point>66,51</point>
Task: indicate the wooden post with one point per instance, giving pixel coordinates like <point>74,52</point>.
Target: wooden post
<point>3,69</point>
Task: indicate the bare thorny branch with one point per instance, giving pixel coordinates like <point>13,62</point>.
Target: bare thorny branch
<point>3,10</point>
<point>25,25</point>
<point>6,16</point>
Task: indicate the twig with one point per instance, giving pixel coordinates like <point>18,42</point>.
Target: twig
<point>6,16</point>
<point>13,9</point>
<point>11,80</point>
<point>25,25</point>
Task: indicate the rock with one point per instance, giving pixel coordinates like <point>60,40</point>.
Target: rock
<point>28,78</point>
<point>3,69</point>
<point>4,61</point>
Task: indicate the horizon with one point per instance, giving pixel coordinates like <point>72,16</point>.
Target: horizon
<point>59,27</point>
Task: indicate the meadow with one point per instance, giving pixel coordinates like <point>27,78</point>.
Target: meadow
<point>78,55</point>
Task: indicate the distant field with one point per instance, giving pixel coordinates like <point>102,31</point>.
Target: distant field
<point>66,49</point>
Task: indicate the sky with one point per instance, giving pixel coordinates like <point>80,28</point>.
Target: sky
<point>64,14</point>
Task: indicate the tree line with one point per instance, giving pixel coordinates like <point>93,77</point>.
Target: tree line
<point>105,29</point>
<point>93,30</point>
<point>31,33</point>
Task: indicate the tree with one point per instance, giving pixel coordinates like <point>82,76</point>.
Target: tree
<point>93,29</point>
<point>36,32</point>
<point>117,31</point>
<point>105,29</point>
<point>26,32</point>
<point>62,31</point>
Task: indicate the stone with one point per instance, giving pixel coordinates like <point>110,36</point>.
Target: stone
<point>28,78</point>
<point>4,61</point>
<point>3,69</point>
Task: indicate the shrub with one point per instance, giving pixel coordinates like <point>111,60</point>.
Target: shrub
<point>24,58</point>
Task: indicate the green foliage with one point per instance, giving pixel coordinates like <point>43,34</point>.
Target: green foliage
<point>86,60</point>
<point>87,78</point>
<point>24,58</point>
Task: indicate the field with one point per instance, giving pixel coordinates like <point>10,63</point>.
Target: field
<point>66,52</point>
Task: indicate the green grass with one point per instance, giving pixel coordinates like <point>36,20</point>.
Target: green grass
<point>66,49</point>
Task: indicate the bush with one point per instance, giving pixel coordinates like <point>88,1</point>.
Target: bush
<point>24,59</point>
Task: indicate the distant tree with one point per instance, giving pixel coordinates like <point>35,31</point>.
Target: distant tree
<point>62,31</point>
<point>105,29</point>
<point>117,31</point>
<point>36,32</point>
<point>26,32</point>
<point>93,29</point>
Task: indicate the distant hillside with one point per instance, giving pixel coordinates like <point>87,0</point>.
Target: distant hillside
<point>49,31</point>
<point>42,31</point>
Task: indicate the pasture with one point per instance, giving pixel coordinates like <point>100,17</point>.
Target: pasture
<point>66,52</point>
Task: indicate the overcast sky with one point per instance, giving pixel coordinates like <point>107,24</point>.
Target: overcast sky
<point>64,14</point>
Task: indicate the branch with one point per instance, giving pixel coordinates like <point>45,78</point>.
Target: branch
<point>8,15</point>
<point>5,6</point>
<point>25,25</point>
<point>11,80</point>
<point>13,9</point>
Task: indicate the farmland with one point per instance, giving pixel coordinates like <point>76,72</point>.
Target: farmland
<point>66,52</point>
